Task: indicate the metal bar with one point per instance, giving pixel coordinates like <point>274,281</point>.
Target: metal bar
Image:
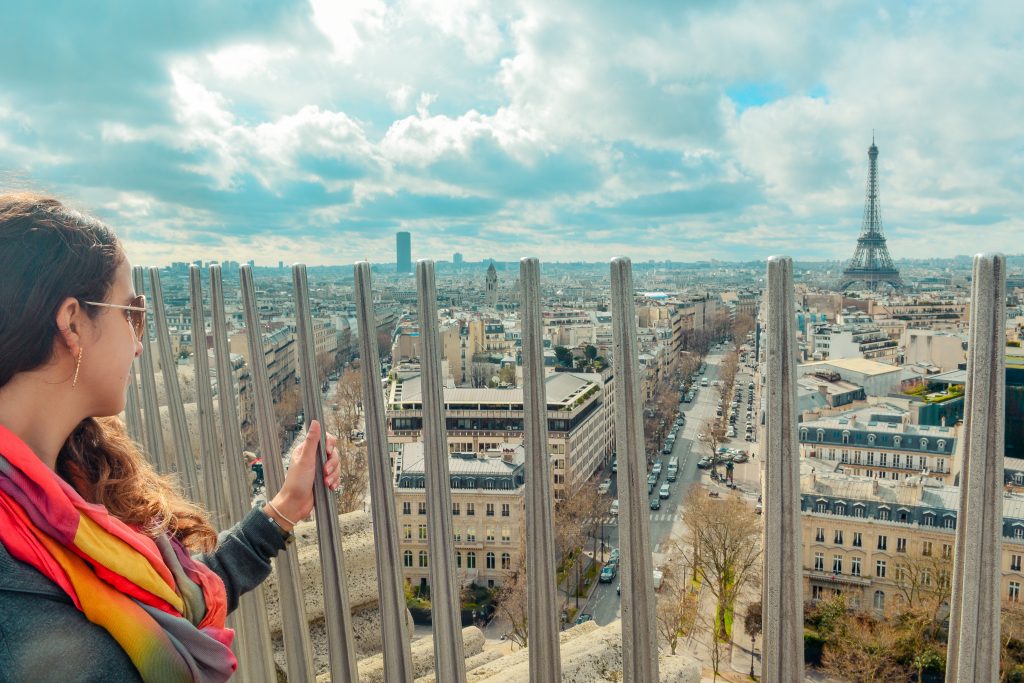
<point>153,435</point>
<point>542,603</point>
<point>133,408</point>
<point>449,658</point>
<point>184,457</point>
<point>209,444</point>
<point>255,657</point>
<point>337,613</point>
<point>397,652</point>
<point>639,643</point>
<point>295,626</point>
<point>973,647</point>
<point>782,589</point>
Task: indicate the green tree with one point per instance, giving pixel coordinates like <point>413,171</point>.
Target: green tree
<point>564,356</point>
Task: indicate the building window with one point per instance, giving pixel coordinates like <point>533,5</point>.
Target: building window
<point>421,507</point>
<point>880,569</point>
<point>803,434</point>
<point>406,508</point>
<point>840,508</point>
<point>423,558</point>
<point>896,442</point>
<point>947,551</point>
<point>819,536</point>
<point>457,533</point>
<point>458,560</point>
<point>407,532</point>
<point>858,510</point>
<point>839,537</point>
<point>455,508</point>
<point>926,548</point>
<point>901,545</point>
<point>948,522</point>
<point>471,534</point>
<point>506,561</point>
<point>1015,563</point>
<point>471,560</point>
<point>882,542</point>
<point>470,509</point>
<point>506,534</point>
<point>879,600</point>
<point>871,439</point>
<point>816,592</point>
<point>855,566</point>
<point>1018,532</point>
<point>490,533</point>
<point>489,560</point>
<point>819,562</point>
<point>857,539</point>
<point>883,459</point>
<point>871,457</point>
<point>896,460</point>
<point>423,532</point>
<point>822,506</point>
<point>924,443</point>
<point>821,435</point>
<point>883,514</point>
<point>929,519</point>
<point>490,510</point>
<point>1014,591</point>
<point>846,440</point>
<point>837,564</point>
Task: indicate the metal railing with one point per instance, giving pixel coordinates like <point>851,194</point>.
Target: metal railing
<point>974,623</point>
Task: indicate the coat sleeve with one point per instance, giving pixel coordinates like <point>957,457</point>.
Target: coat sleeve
<point>243,553</point>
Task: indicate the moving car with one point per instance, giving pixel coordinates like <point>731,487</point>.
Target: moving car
<point>655,503</point>
<point>607,573</point>
<point>665,491</point>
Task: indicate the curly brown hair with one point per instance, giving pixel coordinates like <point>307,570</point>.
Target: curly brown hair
<point>49,253</point>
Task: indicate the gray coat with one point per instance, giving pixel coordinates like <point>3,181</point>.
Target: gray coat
<point>43,636</point>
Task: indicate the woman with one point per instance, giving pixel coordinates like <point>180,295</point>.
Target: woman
<point>97,581</point>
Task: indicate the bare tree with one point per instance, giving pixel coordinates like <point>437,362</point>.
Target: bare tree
<point>511,603</point>
<point>349,397</point>
<point>924,584</point>
<point>676,608</point>
<point>480,374</point>
<point>862,651</point>
<point>712,435</point>
<point>287,406</point>
<point>344,421</point>
<point>726,538</point>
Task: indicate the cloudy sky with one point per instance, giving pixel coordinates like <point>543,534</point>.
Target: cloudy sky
<point>579,130</point>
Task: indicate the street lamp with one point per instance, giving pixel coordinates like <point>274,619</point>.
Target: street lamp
<point>751,656</point>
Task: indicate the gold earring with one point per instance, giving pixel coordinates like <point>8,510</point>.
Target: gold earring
<point>78,366</point>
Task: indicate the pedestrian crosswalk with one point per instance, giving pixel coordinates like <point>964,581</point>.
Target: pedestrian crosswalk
<point>654,517</point>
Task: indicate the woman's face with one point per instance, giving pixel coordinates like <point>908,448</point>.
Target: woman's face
<point>109,348</point>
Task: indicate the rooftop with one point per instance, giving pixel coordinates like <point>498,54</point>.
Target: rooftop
<point>861,365</point>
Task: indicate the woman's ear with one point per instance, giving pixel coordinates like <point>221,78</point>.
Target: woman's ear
<point>69,323</point>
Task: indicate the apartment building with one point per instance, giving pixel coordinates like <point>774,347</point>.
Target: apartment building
<point>580,412</point>
<point>876,442</point>
<point>853,341</point>
<point>488,513</point>
<point>882,542</point>
<point>278,355</point>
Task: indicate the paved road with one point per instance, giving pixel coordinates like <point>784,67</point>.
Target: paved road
<point>604,601</point>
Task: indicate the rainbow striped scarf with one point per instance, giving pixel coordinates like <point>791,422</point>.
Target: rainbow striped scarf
<point>166,610</point>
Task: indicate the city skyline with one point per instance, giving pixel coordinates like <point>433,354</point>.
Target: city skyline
<point>314,133</point>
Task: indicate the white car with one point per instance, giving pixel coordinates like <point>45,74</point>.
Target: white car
<point>615,508</point>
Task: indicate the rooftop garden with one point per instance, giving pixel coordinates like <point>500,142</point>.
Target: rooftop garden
<point>922,391</point>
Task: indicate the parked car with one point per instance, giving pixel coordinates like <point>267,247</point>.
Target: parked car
<point>607,573</point>
<point>604,487</point>
<point>613,556</point>
<point>615,507</point>
<point>584,618</point>
<point>704,463</point>
<point>656,469</point>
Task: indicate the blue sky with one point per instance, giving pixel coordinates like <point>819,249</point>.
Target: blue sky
<point>313,131</point>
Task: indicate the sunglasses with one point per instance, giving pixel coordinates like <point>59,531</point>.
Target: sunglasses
<point>135,313</point>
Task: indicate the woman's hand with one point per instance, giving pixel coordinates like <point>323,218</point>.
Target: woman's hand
<point>295,499</point>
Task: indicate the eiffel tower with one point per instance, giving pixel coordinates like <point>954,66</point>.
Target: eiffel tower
<point>871,263</point>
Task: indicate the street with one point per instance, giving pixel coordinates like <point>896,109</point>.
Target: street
<point>666,523</point>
